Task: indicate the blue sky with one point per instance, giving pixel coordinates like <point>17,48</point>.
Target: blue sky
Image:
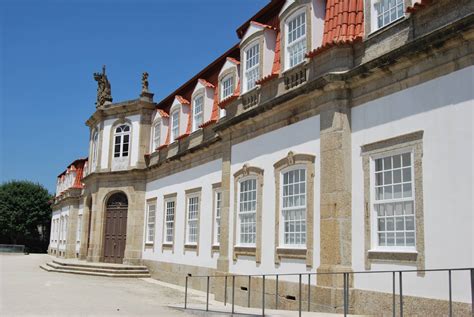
<point>49,50</point>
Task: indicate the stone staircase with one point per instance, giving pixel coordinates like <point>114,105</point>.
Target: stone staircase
<point>96,269</point>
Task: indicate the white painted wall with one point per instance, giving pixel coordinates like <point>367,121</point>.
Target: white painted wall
<point>80,225</point>
<point>318,10</point>
<point>201,176</point>
<point>268,52</point>
<point>443,109</point>
<point>263,152</point>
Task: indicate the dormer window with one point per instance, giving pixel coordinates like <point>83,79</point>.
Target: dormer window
<point>227,87</point>
<point>174,125</point>
<point>197,111</point>
<point>156,135</point>
<point>296,39</point>
<point>252,61</point>
<point>387,11</point>
<point>122,141</point>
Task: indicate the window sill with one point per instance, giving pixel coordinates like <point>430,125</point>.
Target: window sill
<point>244,251</point>
<point>216,248</point>
<point>387,26</point>
<point>149,244</point>
<point>393,255</point>
<point>190,247</point>
<point>167,246</point>
<point>291,253</point>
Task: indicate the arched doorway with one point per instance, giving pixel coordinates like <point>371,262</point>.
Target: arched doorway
<point>115,228</point>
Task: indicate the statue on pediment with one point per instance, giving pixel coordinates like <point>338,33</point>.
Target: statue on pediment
<point>104,90</point>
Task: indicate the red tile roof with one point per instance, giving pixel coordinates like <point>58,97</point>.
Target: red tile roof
<point>182,100</point>
<point>223,103</point>
<point>233,60</point>
<point>163,113</point>
<point>268,15</point>
<point>263,25</point>
<point>78,167</point>
<point>205,83</point>
<point>343,24</point>
<point>418,5</point>
<point>276,63</point>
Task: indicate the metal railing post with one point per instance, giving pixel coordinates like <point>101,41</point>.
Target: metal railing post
<point>233,292</point>
<point>299,296</point>
<point>344,294</point>
<point>401,293</point>
<point>207,293</point>
<point>263,295</point>
<point>186,293</point>
<point>225,291</point>
<point>248,294</point>
<point>450,295</point>
<point>393,295</point>
<point>309,292</point>
<point>276,292</point>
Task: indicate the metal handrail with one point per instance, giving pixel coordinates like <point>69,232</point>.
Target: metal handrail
<point>346,287</point>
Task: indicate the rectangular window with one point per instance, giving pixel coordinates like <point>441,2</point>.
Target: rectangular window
<point>394,201</point>
<point>227,87</point>
<point>79,228</point>
<point>197,112</point>
<point>170,207</point>
<point>387,11</point>
<point>193,216</point>
<point>174,125</point>
<point>296,40</point>
<point>217,220</point>
<point>248,212</point>
<point>156,135</point>
<point>150,227</point>
<point>252,72</point>
<point>294,207</point>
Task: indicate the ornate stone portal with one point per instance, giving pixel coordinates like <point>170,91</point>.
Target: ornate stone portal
<point>104,90</point>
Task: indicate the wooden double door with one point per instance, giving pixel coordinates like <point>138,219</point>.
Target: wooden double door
<point>115,228</point>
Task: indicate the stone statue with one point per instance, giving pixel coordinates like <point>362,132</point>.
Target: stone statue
<point>104,91</point>
<point>145,82</point>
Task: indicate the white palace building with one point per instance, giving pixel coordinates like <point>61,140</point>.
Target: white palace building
<point>335,136</point>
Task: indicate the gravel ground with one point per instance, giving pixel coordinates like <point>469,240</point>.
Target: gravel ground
<point>27,290</point>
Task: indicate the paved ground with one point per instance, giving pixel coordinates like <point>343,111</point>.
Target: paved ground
<point>26,290</point>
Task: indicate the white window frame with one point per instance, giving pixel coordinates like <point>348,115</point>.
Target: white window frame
<point>156,139</point>
<point>192,221</point>
<point>373,202</point>
<point>248,86</point>
<point>121,137</point>
<point>302,40</point>
<point>79,228</point>
<point>174,121</point>
<point>227,90</point>
<point>217,215</point>
<point>150,232</point>
<point>169,224</point>
<point>282,242</point>
<point>198,117</point>
<point>239,212</point>
<point>374,21</point>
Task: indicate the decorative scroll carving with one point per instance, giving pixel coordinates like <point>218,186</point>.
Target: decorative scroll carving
<point>291,158</point>
<point>104,90</point>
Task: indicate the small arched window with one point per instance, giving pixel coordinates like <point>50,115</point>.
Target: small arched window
<point>198,105</point>
<point>95,148</point>
<point>174,125</point>
<point>156,135</point>
<point>122,141</point>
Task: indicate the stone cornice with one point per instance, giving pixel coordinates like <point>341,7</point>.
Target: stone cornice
<point>125,108</point>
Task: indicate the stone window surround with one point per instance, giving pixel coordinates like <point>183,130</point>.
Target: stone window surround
<point>294,9</point>
<point>414,142</point>
<point>151,201</point>
<point>217,187</point>
<point>232,72</point>
<point>112,140</point>
<point>194,192</point>
<point>169,245</point>
<point>257,37</point>
<point>198,92</point>
<point>239,250</point>
<point>307,161</point>
<point>369,19</point>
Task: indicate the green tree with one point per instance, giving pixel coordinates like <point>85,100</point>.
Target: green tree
<point>25,211</point>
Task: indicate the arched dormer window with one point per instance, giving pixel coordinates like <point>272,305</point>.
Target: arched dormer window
<point>156,141</point>
<point>198,111</point>
<point>174,125</point>
<point>122,141</point>
<point>296,42</point>
<point>227,86</point>
<point>95,148</point>
<point>252,66</point>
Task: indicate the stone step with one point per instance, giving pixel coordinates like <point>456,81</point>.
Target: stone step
<point>60,269</point>
<point>100,265</point>
<point>97,269</point>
